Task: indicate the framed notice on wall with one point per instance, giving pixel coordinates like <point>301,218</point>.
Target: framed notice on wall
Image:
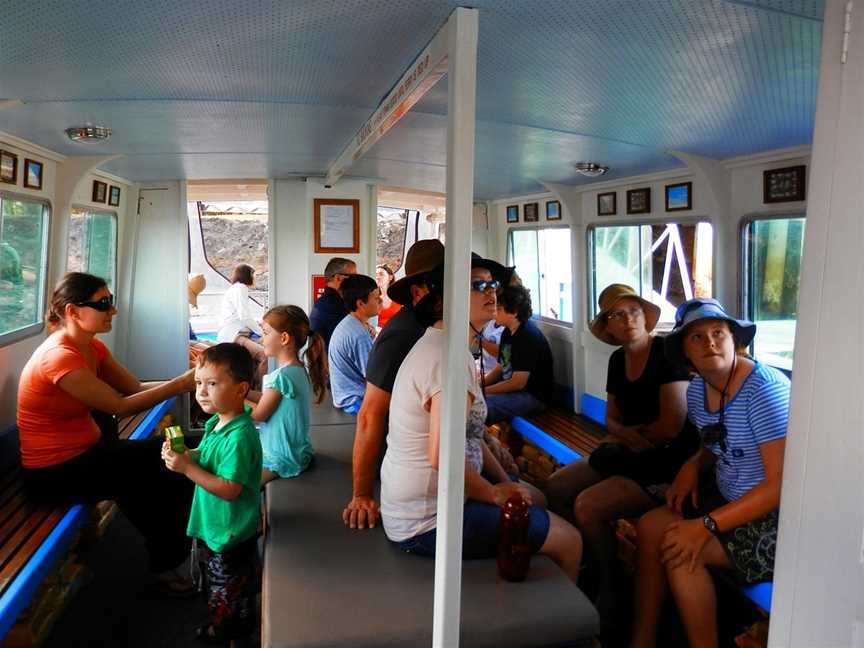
<point>337,225</point>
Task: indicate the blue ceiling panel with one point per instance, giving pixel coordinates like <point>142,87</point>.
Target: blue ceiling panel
<point>219,88</point>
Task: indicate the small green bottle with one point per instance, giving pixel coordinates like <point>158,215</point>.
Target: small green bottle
<point>174,434</point>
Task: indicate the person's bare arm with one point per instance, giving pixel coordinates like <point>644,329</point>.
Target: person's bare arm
<point>673,413</point>
<point>362,511</point>
<point>492,377</point>
<point>86,387</point>
<point>267,404</point>
<point>516,382</point>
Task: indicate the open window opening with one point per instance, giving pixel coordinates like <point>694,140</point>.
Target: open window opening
<point>543,262</point>
<point>772,249</point>
<point>228,225</point>
<point>405,217</point>
<point>92,245</point>
<point>666,263</point>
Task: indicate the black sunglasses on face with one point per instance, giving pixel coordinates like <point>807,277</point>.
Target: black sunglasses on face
<point>105,304</point>
<point>482,285</point>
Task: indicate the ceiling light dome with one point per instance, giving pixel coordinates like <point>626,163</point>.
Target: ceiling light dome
<point>88,134</point>
<point>590,169</point>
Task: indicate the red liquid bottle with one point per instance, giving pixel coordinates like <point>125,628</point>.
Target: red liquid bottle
<point>514,551</point>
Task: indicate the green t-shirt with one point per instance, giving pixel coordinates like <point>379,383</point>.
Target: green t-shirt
<point>232,452</point>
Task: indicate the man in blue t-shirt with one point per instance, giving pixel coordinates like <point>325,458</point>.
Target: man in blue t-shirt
<point>351,342</point>
<point>522,381</point>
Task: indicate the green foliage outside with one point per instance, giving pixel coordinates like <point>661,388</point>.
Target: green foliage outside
<point>23,228</point>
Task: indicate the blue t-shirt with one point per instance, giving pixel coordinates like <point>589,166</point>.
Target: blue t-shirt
<point>757,414</point>
<point>285,435</point>
<point>348,355</point>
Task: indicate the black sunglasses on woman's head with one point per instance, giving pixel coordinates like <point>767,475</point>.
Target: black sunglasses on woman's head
<point>105,304</point>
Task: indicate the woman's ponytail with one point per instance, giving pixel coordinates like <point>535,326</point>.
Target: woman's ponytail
<point>316,361</point>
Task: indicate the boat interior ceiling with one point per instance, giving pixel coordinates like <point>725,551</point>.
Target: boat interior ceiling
<point>258,89</point>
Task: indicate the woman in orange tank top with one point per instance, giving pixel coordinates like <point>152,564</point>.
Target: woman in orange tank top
<point>68,458</point>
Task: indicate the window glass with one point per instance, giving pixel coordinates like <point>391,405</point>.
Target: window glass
<point>542,259</point>
<point>667,263</point>
<point>392,230</point>
<point>93,244</point>
<point>23,257</point>
<point>773,276</point>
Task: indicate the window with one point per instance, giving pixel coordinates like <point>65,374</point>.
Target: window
<point>772,278</point>
<point>666,263</point>
<point>93,244</point>
<point>23,259</point>
<point>542,260</point>
<point>392,232</point>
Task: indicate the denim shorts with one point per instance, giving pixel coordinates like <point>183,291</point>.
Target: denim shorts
<point>480,522</point>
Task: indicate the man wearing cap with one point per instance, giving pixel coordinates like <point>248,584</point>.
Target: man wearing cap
<point>390,348</point>
<point>330,308</point>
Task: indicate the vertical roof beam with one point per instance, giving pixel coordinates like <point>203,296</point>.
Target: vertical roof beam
<point>461,31</point>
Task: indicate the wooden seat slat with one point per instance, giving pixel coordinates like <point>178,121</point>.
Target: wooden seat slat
<point>28,519</point>
<point>576,432</point>
<point>30,543</point>
<point>10,509</point>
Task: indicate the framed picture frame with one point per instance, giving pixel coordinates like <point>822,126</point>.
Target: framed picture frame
<point>784,185</point>
<point>33,174</point>
<point>531,212</point>
<point>114,196</point>
<point>8,167</point>
<point>639,201</point>
<point>512,213</point>
<point>337,225</point>
<point>607,203</point>
<point>100,191</point>
<point>679,197</point>
<point>553,210</point>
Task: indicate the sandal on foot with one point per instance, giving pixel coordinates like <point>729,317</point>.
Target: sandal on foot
<point>174,585</point>
<point>207,634</point>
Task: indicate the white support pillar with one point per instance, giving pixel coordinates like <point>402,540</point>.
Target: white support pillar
<point>819,576</point>
<point>462,83</point>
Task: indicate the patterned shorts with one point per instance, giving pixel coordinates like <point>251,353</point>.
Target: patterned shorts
<point>751,546</point>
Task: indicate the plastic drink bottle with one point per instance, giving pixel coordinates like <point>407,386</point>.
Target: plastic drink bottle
<point>514,551</point>
<point>174,434</point>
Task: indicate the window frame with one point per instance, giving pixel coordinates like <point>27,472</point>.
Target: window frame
<point>36,328</point>
<point>89,209</point>
<point>745,275</point>
<point>591,298</point>
<point>535,228</point>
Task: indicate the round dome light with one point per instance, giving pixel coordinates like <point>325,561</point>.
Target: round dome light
<point>590,169</point>
<point>88,134</point>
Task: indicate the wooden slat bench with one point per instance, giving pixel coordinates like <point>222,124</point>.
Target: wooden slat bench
<point>33,538</point>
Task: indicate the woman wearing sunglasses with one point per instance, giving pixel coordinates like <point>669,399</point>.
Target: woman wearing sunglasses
<point>409,473</point>
<point>721,510</point>
<point>67,457</point>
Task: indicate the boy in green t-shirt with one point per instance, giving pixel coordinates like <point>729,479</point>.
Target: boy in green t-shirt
<point>226,469</point>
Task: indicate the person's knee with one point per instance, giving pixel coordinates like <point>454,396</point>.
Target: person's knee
<point>652,525</point>
<point>589,510</point>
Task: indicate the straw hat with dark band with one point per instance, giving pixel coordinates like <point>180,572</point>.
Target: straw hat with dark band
<point>610,296</point>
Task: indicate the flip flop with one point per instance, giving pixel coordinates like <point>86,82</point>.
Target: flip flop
<point>206,634</point>
<point>173,585</point>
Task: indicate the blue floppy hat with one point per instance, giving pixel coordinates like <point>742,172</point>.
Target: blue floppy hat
<point>697,309</point>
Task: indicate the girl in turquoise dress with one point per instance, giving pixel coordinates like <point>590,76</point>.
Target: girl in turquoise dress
<point>284,404</point>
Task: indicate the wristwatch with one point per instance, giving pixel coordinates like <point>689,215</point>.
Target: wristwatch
<point>710,524</point>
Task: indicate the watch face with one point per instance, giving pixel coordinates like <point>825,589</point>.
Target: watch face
<point>709,523</point>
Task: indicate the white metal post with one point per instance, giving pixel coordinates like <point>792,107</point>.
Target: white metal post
<point>462,81</point>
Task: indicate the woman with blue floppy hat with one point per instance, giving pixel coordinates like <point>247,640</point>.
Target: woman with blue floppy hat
<point>722,508</point>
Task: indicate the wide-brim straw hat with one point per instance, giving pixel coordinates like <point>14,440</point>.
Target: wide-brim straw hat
<point>610,296</point>
<point>697,309</point>
<point>424,256</point>
<point>196,284</point>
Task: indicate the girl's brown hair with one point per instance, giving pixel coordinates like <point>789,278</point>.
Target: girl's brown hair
<point>74,288</point>
<point>243,274</point>
<point>293,321</point>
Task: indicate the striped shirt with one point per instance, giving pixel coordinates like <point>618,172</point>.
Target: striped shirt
<point>757,414</point>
